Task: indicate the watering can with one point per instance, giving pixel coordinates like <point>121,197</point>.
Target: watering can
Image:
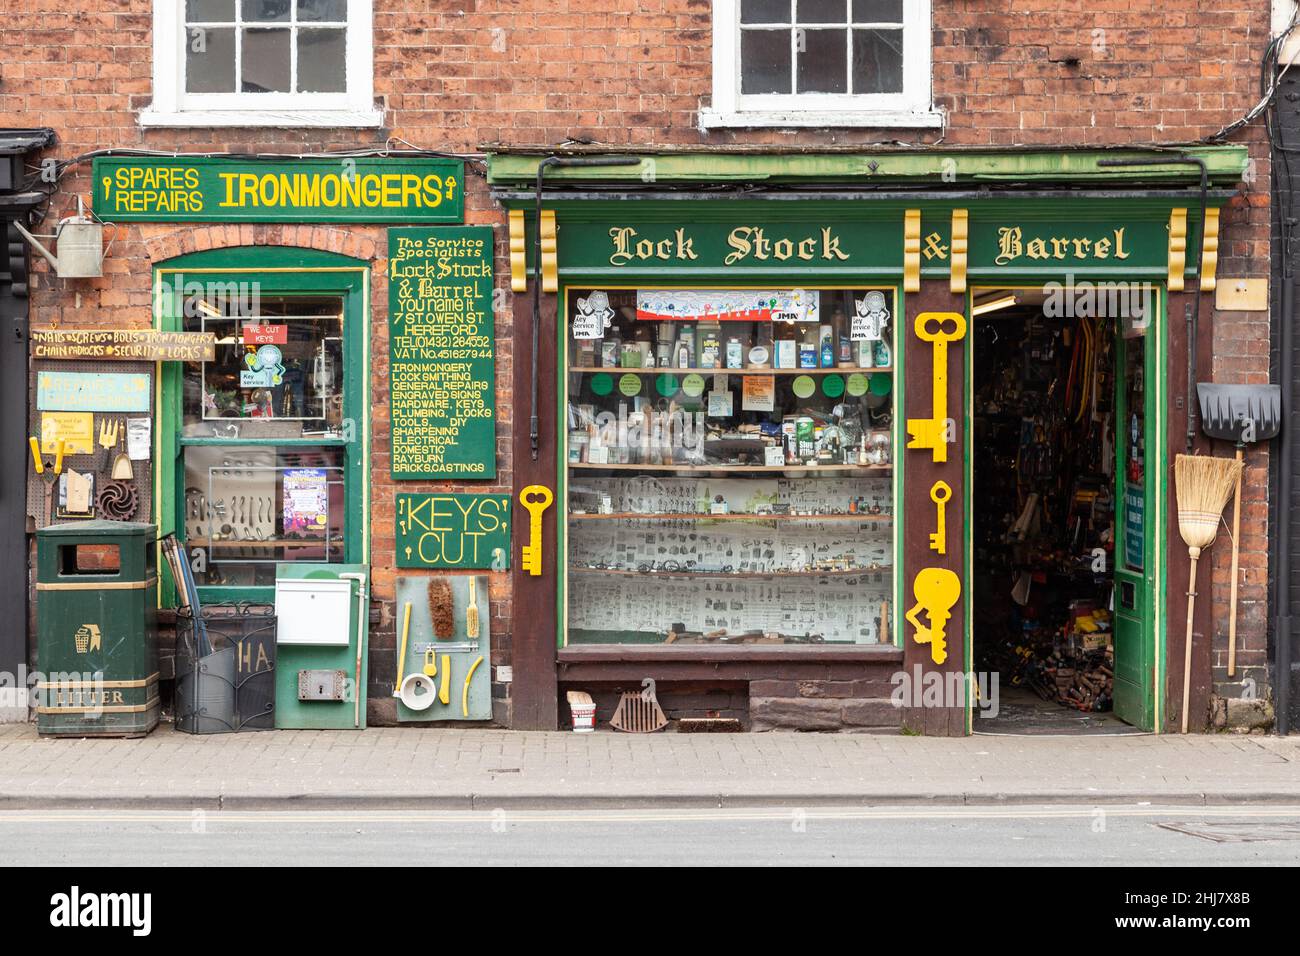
<point>81,247</point>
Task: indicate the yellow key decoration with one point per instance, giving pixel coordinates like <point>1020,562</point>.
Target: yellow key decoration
<point>940,492</point>
<point>536,498</point>
<point>936,591</point>
<point>935,432</point>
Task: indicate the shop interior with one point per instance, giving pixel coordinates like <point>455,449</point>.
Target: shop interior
<point>1043,465</point>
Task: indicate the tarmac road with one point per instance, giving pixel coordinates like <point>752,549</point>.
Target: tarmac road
<point>973,836</point>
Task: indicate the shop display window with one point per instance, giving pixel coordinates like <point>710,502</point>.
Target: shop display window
<point>729,458</point>
<point>278,371</point>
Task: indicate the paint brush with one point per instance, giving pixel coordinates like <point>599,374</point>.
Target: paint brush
<point>471,612</point>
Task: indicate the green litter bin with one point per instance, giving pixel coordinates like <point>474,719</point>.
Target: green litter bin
<point>97,629</point>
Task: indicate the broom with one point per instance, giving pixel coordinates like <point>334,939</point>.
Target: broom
<point>1203,485</point>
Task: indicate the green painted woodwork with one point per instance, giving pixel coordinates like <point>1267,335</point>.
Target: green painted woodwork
<point>1226,166</point>
<point>218,189</point>
<point>667,242</point>
<point>453,531</point>
<point>292,713</point>
<point>441,346</point>
<point>278,270</point>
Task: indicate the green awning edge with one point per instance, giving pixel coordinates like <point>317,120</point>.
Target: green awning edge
<point>1226,166</point>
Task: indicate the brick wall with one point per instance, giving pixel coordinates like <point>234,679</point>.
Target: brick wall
<point>458,76</point>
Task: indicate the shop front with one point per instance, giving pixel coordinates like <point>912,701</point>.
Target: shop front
<point>847,442</point>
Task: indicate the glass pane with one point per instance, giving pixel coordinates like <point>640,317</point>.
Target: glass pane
<point>322,61</point>
<point>209,60</point>
<point>755,510</point>
<point>317,11</point>
<point>822,11</point>
<point>265,62</point>
<point>764,61</point>
<point>209,11</point>
<point>764,11</point>
<point>878,11</point>
<point>249,506</point>
<point>823,61</point>
<point>263,11</point>
<point>278,371</point>
<point>877,61</point>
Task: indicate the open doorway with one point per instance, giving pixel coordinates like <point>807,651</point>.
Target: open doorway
<point>1061,601</point>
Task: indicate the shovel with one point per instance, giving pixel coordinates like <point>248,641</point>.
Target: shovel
<point>1242,414</point>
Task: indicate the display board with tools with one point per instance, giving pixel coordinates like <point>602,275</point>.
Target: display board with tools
<point>90,443</point>
<point>1046,426</point>
<point>729,466</point>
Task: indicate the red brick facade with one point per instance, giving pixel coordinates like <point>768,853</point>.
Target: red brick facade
<point>457,77</point>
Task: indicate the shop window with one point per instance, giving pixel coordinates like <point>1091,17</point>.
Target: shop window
<point>729,466</point>
<point>821,63</point>
<point>271,433</point>
<point>263,62</point>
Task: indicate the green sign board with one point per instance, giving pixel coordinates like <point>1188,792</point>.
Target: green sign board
<point>453,531</point>
<point>212,189</point>
<point>441,374</point>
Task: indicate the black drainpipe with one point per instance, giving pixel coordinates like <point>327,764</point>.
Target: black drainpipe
<point>1192,313</point>
<point>533,433</point>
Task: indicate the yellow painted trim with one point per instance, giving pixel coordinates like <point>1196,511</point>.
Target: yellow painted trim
<point>912,250</point>
<point>96,585</point>
<point>550,253</point>
<point>960,247</point>
<point>1210,250</point>
<point>518,255</point>
<point>1177,248</point>
<point>70,684</point>
<point>116,709</point>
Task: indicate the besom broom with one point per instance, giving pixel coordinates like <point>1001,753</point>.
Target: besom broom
<point>1203,485</point>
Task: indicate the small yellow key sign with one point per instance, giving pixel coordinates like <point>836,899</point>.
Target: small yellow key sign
<point>536,498</point>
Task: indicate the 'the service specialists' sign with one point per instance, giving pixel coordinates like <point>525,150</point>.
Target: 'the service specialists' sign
<point>211,189</point>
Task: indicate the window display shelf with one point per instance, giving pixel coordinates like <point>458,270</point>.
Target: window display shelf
<point>669,370</point>
<point>705,516</point>
<point>727,575</point>
<point>804,471</point>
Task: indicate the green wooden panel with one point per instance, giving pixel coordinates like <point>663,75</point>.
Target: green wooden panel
<point>453,531</point>
<point>213,189</point>
<point>442,366</point>
<point>290,712</point>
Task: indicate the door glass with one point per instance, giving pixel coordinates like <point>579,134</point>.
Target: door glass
<point>1134,455</point>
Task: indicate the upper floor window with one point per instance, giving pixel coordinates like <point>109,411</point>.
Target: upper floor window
<point>821,63</point>
<point>263,62</point>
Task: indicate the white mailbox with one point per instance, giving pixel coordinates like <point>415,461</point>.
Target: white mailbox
<point>313,611</point>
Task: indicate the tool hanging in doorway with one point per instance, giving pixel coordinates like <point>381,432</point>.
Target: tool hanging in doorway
<point>1242,414</point>
<point>1203,485</point>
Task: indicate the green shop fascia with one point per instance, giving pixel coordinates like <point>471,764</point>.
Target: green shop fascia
<point>752,390</point>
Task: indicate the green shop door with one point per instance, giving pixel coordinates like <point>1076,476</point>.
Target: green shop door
<point>1135,516</point>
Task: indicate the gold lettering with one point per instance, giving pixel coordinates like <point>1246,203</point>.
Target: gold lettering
<point>831,246</point>
<point>1036,249</point>
<point>1009,245</point>
<point>738,240</point>
<point>1119,245</point>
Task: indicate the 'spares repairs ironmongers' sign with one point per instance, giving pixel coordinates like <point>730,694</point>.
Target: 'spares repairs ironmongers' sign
<point>214,189</point>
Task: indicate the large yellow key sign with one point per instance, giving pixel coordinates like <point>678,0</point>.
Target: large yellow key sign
<point>936,591</point>
<point>536,498</point>
<point>937,328</point>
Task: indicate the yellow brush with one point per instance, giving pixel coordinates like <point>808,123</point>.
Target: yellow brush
<point>471,612</point>
<point>444,691</point>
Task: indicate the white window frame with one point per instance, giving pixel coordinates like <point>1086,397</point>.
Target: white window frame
<point>913,108</point>
<point>172,106</point>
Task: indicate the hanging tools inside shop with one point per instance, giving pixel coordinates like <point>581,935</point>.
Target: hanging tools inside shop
<point>1203,486</point>
<point>1044,532</point>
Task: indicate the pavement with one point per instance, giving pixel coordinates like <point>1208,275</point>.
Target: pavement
<point>477,769</point>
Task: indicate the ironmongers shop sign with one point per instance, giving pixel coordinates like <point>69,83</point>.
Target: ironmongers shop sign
<point>123,345</point>
<point>213,189</point>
